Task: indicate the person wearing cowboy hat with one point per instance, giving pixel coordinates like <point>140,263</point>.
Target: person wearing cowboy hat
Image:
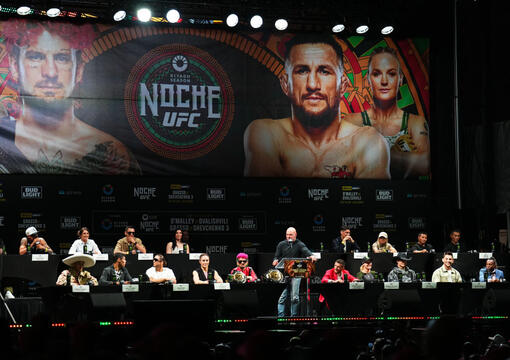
<point>75,273</point>
<point>33,243</point>
<point>402,273</point>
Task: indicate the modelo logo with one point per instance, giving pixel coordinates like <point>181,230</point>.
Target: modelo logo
<point>179,101</point>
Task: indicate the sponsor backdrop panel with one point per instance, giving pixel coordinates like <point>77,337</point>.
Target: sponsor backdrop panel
<point>229,215</point>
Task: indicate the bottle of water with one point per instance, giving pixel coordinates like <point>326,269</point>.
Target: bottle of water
<point>85,248</point>
<point>29,250</point>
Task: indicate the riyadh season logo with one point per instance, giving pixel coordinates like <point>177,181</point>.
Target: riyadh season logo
<point>179,101</point>
<point>284,195</point>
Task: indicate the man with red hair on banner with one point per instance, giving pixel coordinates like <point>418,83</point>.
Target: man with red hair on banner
<point>45,64</point>
<point>314,141</point>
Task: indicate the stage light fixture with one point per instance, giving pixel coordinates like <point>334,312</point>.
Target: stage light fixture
<point>281,24</point>
<point>256,21</point>
<point>119,15</point>
<point>386,30</point>
<point>232,20</point>
<point>24,10</point>
<point>173,16</point>
<point>338,28</point>
<point>53,12</point>
<point>144,14</point>
<point>362,29</point>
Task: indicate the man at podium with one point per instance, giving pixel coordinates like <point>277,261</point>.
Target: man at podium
<point>291,247</point>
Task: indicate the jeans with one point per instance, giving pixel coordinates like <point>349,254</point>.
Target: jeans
<point>294,298</point>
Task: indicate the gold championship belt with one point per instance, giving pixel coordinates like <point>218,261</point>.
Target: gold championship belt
<point>404,143</point>
<point>239,277</point>
<point>274,275</point>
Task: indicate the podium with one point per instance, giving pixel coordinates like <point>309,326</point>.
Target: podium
<point>299,268</point>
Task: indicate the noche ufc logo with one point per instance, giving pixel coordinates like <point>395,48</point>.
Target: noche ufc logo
<point>179,101</point>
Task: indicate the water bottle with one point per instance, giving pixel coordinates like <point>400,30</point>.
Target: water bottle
<point>68,279</point>
<point>493,247</point>
<point>185,248</point>
<point>407,247</point>
<point>130,248</point>
<point>346,279</point>
<point>399,276</point>
<point>114,279</point>
<point>458,247</point>
<point>210,277</point>
<point>29,250</point>
<point>368,246</point>
<point>485,276</point>
<point>423,276</point>
<point>85,248</point>
<point>322,247</point>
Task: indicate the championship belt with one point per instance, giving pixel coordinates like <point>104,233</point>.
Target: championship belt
<point>404,143</point>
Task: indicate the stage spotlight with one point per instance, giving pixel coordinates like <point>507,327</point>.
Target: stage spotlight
<point>144,14</point>
<point>232,20</point>
<point>386,30</point>
<point>119,15</point>
<point>338,28</point>
<point>361,29</point>
<point>173,16</point>
<point>281,24</point>
<point>53,12</point>
<point>256,21</point>
<point>24,10</point>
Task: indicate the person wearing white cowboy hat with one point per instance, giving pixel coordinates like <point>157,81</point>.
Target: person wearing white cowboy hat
<point>75,275</point>
<point>33,243</point>
<point>401,272</point>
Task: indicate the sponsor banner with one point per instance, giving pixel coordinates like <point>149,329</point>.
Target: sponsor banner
<point>216,249</point>
<point>31,192</point>
<point>68,193</point>
<point>318,194</point>
<point>319,223</point>
<point>351,195</point>
<point>384,222</point>
<point>68,222</point>
<point>248,224</point>
<point>216,194</point>
<point>284,196</point>
<point>149,223</point>
<point>27,219</point>
<point>107,194</point>
<point>144,193</point>
<point>181,194</point>
<point>383,195</point>
<point>353,222</point>
<point>417,223</point>
<point>2,221</point>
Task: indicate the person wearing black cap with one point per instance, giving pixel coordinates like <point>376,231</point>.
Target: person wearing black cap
<point>33,243</point>
<point>402,273</point>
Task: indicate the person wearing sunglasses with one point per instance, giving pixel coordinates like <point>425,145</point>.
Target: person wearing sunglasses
<point>129,244</point>
<point>242,266</point>
<point>159,273</point>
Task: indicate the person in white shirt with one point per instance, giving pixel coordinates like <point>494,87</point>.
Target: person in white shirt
<point>84,244</point>
<point>446,273</point>
<point>158,273</point>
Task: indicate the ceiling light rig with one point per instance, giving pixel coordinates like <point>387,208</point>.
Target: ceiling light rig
<point>144,14</point>
<point>119,15</point>
<point>24,10</point>
<point>281,24</point>
<point>173,16</point>
<point>256,21</point>
<point>232,20</point>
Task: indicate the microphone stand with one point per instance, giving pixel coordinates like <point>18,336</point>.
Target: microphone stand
<point>7,307</point>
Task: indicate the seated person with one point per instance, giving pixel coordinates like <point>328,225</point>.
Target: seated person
<point>382,245</point>
<point>84,244</point>
<point>491,273</point>
<point>116,273</point>
<point>33,243</point>
<point>129,244</point>
<point>446,273</point>
<point>365,271</point>
<point>421,246</point>
<point>75,275</point>
<point>338,273</point>
<point>401,273</point>
<point>159,273</point>
<point>178,246</point>
<point>454,245</point>
<point>203,274</point>
<point>344,243</point>
<point>242,266</point>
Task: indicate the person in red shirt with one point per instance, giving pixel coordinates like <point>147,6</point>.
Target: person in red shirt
<point>337,275</point>
<point>242,265</point>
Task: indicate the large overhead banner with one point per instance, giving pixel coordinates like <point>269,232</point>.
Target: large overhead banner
<point>160,100</point>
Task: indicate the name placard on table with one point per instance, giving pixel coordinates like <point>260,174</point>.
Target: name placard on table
<point>316,255</point>
<point>100,257</point>
<point>357,285</point>
<point>81,288</point>
<point>147,256</point>
<point>360,255</point>
<point>391,285</point>
<point>180,287</point>
<point>130,288</point>
<point>194,256</point>
<point>221,286</point>
<point>428,285</point>
<point>478,285</point>
<point>39,257</point>
<point>484,255</point>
